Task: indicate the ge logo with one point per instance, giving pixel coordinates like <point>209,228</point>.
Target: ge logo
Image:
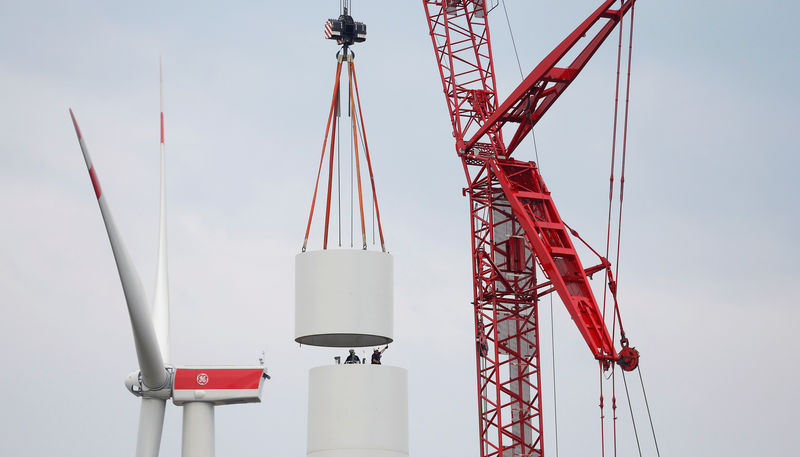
<point>202,379</point>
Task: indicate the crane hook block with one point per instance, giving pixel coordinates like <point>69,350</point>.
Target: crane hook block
<point>345,30</point>
<point>628,358</point>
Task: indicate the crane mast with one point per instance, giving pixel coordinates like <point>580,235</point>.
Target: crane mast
<point>515,224</point>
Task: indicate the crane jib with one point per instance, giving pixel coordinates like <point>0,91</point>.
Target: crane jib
<point>510,203</point>
<point>544,84</point>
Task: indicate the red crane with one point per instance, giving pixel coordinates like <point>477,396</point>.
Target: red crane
<point>514,221</point>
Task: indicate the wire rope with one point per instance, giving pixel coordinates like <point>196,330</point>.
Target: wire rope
<point>352,164</point>
<point>647,404</point>
<point>339,171</point>
<point>358,166</point>
<point>357,119</point>
<point>615,279</point>
<point>614,404</point>
<point>521,74</point>
<point>513,41</point>
<point>369,163</point>
<point>602,414</point>
<point>610,206</point>
<point>608,237</point>
<point>352,175</point>
<point>613,157</point>
<point>360,120</point>
<point>624,150</point>
<point>614,371</point>
<point>633,420</point>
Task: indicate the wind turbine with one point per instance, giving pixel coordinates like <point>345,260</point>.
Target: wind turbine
<point>197,389</point>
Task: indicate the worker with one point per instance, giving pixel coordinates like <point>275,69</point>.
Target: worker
<point>481,339</point>
<point>376,355</point>
<point>352,358</point>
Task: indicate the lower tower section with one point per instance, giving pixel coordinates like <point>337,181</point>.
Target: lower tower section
<point>358,411</point>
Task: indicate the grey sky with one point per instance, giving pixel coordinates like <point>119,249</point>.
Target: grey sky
<point>709,247</point>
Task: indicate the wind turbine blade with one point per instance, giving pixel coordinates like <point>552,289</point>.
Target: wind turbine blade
<point>151,423</point>
<point>147,350</point>
<point>161,295</point>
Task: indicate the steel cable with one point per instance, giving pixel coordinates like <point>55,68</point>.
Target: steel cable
<point>647,404</point>
<point>633,420</point>
<point>339,170</point>
<point>621,195</point>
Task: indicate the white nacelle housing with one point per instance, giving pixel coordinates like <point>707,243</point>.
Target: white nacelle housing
<point>344,298</point>
<point>218,385</point>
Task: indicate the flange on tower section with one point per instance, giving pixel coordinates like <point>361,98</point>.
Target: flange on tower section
<point>344,294</point>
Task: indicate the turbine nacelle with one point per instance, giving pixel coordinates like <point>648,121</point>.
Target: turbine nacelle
<point>216,385</point>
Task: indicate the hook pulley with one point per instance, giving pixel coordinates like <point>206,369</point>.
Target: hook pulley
<point>345,30</point>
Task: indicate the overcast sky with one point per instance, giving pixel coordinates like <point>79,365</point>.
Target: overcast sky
<point>708,267</point>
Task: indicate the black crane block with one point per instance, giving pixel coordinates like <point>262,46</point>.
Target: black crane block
<point>345,30</point>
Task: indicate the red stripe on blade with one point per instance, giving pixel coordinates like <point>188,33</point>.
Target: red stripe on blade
<point>162,128</point>
<point>75,123</point>
<point>95,182</point>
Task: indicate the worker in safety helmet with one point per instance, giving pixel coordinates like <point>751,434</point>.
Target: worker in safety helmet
<point>352,358</point>
<point>376,355</point>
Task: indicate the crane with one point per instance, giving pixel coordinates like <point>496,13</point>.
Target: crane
<point>515,224</point>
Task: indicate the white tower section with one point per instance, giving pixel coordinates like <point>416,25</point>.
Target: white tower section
<point>344,298</point>
<point>358,410</point>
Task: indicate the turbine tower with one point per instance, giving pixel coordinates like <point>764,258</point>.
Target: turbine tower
<point>197,389</point>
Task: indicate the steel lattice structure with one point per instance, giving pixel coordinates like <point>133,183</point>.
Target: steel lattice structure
<point>514,223</point>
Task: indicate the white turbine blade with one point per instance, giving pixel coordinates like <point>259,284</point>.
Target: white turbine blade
<point>151,423</point>
<point>161,295</point>
<point>147,350</point>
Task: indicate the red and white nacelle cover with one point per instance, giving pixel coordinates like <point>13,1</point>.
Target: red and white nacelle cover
<point>218,385</point>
